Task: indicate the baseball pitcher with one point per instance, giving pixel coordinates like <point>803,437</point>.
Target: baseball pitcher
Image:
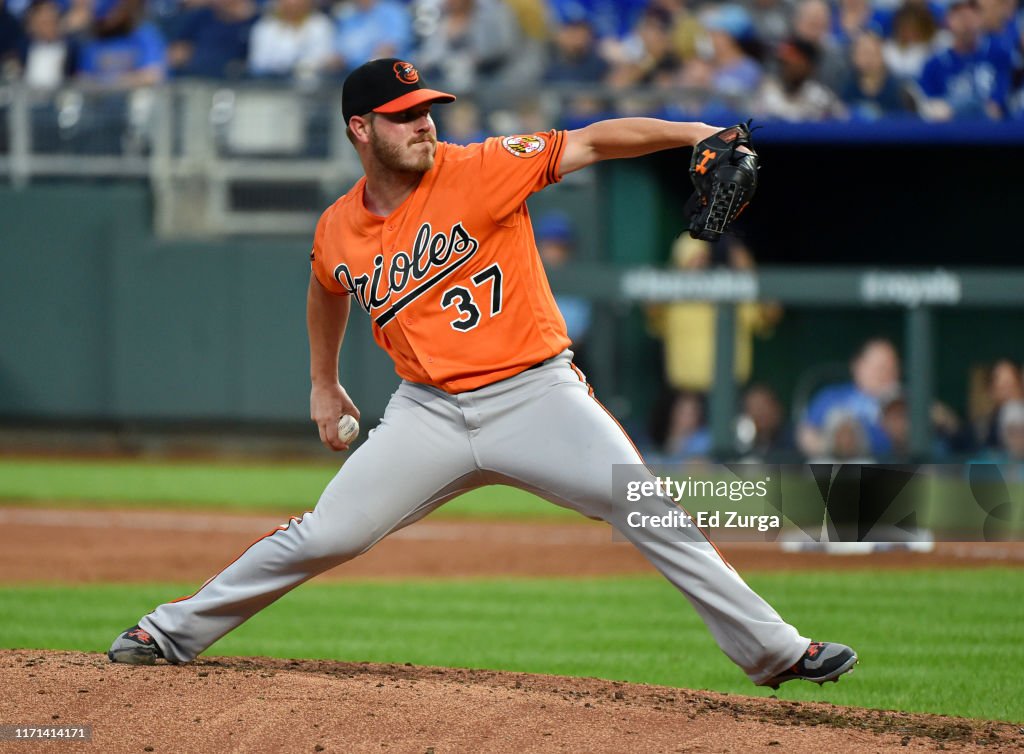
<point>435,244</point>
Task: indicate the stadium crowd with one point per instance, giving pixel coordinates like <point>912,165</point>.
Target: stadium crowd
<point>863,419</point>
<point>856,412</point>
<point>796,60</point>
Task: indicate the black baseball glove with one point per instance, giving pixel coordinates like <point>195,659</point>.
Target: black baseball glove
<point>725,178</point>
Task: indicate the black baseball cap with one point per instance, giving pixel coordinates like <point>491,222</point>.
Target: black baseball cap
<point>387,85</point>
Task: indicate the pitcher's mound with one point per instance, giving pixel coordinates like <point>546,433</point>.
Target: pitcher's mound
<point>268,705</point>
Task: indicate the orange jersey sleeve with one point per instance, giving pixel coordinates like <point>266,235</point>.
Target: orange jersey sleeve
<point>513,167</point>
<point>318,256</point>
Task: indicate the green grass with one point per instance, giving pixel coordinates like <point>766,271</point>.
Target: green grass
<point>936,641</point>
<point>267,487</point>
<point>292,487</point>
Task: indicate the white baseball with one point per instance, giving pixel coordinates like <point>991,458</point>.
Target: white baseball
<point>348,428</point>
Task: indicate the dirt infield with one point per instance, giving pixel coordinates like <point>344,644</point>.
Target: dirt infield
<point>77,546</point>
<point>239,704</point>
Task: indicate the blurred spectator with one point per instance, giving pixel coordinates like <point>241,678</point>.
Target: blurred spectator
<point>370,29</point>
<point>949,433</point>
<point>852,18</point>
<point>574,56</point>
<point>461,123</point>
<point>772,20</point>
<point>688,327</point>
<point>556,242</point>
<point>104,18</point>
<point>480,41</point>
<point>761,430</point>
<point>1000,24</point>
<point>611,19</point>
<point>1009,453</point>
<point>894,418</point>
<point>1011,432</point>
<point>895,422</point>
<point>49,58</point>
<point>79,16</point>
<point>293,39</point>
<point>679,429</point>
<point>123,56</point>
<point>12,44</point>
<point>793,94</point>
<point>972,78</point>
<point>525,71</point>
<point>876,374</point>
<point>872,92</point>
<point>913,38</point>
<point>735,72</point>
<point>885,18</point>
<point>843,440</point>
<point>648,57</point>
<point>533,17</point>
<point>1005,386</point>
<point>812,23</point>
<point>685,29</point>
<point>524,114</point>
<point>213,41</point>
<point>1009,450</point>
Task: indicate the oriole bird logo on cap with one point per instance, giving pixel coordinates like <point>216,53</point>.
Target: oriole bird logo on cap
<point>406,72</point>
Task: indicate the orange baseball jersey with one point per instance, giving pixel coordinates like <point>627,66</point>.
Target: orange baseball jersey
<point>452,279</point>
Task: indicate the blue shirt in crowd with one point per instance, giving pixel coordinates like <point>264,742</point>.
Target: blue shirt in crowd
<point>741,77</point>
<point>362,31</point>
<point>107,59</point>
<point>968,81</point>
<point>697,445</point>
<point>851,399</point>
<point>863,106</point>
<point>1008,36</point>
<point>216,44</point>
<point>609,18</point>
<point>590,69</point>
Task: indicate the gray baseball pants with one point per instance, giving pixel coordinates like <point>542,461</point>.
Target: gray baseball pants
<point>541,431</point>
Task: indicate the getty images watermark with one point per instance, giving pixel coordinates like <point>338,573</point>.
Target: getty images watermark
<point>677,490</point>
<point>819,502</point>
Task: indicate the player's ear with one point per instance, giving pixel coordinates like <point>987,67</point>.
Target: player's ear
<point>359,128</point>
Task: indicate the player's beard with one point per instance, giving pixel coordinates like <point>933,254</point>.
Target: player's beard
<point>408,159</point>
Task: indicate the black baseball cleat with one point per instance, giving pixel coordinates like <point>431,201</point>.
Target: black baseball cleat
<point>823,661</point>
<point>135,647</point>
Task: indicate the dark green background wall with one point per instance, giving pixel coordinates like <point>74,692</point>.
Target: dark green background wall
<point>99,320</point>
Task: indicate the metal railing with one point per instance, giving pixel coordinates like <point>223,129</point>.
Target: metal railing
<point>260,157</point>
<point>201,146</point>
<point>244,157</point>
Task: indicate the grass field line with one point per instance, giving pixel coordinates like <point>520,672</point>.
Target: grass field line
<point>539,532</point>
<point>582,532</point>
